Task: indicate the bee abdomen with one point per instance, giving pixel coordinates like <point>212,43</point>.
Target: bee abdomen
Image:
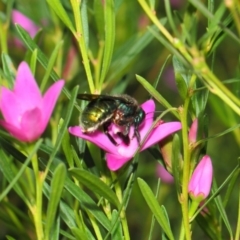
<point>95,114</point>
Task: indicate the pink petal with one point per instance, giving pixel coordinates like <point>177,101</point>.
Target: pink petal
<point>160,132</point>
<point>192,136</point>
<point>149,108</point>
<point>25,22</point>
<point>115,162</point>
<point>164,175</point>
<point>14,131</point>
<point>201,180</point>
<point>26,88</point>
<point>50,99</point>
<point>31,124</point>
<point>10,107</point>
<point>98,138</point>
<point>28,129</point>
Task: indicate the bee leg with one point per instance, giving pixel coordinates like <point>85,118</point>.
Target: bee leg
<point>125,138</point>
<point>105,129</point>
<point>124,135</point>
<point>137,135</point>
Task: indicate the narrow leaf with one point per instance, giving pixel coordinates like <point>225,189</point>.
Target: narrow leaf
<point>8,70</point>
<point>95,185</point>
<point>87,202</point>
<point>109,21</point>
<point>57,7</point>
<point>155,208</point>
<point>57,185</point>
<point>155,93</point>
<point>117,230</point>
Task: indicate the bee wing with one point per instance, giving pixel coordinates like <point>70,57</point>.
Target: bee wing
<point>87,96</point>
<point>90,97</point>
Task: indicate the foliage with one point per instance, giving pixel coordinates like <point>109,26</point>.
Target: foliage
<point>185,56</point>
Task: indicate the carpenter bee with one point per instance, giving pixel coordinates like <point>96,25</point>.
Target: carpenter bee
<point>102,110</point>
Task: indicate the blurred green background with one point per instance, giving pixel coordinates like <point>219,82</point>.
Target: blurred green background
<point>137,51</point>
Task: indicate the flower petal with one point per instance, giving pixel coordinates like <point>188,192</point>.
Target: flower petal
<point>114,162</point>
<point>29,127</point>
<point>149,108</point>
<point>99,138</point>
<point>10,107</point>
<point>201,180</point>
<point>26,88</point>
<point>31,124</point>
<point>192,136</point>
<point>13,130</point>
<point>25,22</point>
<point>160,132</point>
<point>164,175</point>
<point>50,99</point>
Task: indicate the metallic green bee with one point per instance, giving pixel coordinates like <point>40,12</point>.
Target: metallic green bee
<point>102,110</point>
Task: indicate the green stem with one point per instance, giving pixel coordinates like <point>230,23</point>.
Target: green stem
<point>151,14</point>
<point>186,170</point>
<point>122,214</point>
<point>220,90</point>
<point>237,236</point>
<point>79,35</point>
<point>3,37</point>
<point>37,207</point>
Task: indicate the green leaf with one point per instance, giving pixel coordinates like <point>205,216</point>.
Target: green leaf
<point>125,55</point>
<point>95,185</point>
<point>117,229</point>
<point>176,162</point>
<point>8,69</point>
<point>155,208</point>
<point>10,238</point>
<point>87,202</point>
<point>80,234</point>
<point>167,45</point>
<point>64,125</point>
<point>153,92</point>
<point>109,22</point>
<point>11,176</point>
<point>67,149</point>
<point>182,77</point>
<point>99,17</point>
<point>7,146</point>
<point>222,211</point>
<point>57,7</point>
<point>85,24</point>
<point>230,187</point>
<point>155,84</point>
<point>33,61</point>
<point>57,185</point>
<point>50,65</point>
<point>199,101</point>
<point>67,214</point>
<point>55,234</point>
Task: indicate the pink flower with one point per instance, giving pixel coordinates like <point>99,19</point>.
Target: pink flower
<point>164,175</point>
<point>201,180</point>
<point>192,136</point>
<point>26,113</point>
<point>25,22</point>
<point>117,156</point>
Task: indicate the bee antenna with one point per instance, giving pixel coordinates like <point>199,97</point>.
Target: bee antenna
<point>154,112</point>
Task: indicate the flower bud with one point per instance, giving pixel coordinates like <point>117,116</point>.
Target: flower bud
<point>192,136</point>
<point>164,175</point>
<point>200,183</point>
